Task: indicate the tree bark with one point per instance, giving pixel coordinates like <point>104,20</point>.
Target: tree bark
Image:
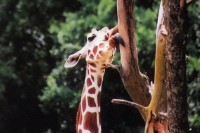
<point>136,83</point>
<point>176,67</point>
<point>170,81</point>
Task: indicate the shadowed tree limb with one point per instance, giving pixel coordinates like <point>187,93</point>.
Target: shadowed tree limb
<point>136,83</point>
<point>128,103</point>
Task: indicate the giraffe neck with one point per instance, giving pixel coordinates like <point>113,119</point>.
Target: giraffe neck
<point>88,116</point>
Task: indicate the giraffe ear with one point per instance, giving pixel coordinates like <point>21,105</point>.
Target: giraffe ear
<point>72,60</point>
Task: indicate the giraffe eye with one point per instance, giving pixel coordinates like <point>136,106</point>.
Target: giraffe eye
<point>91,38</point>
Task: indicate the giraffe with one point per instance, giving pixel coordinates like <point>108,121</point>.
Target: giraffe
<point>99,52</point>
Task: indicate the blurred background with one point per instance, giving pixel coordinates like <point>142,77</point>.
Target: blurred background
<point>37,95</point>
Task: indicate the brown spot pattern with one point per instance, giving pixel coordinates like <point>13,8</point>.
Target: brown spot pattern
<point>89,83</point>
<point>90,122</point>
<point>105,38</point>
<point>89,52</point>
<point>98,98</point>
<point>84,104</point>
<point>95,49</point>
<point>92,90</point>
<point>112,42</point>
<point>92,64</point>
<point>91,102</point>
<point>99,80</point>
<point>91,56</point>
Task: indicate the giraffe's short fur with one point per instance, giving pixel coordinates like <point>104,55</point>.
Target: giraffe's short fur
<point>99,52</point>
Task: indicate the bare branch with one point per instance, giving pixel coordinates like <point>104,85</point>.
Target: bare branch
<point>128,103</point>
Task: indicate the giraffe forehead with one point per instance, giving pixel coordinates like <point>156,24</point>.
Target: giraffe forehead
<point>95,38</point>
<point>97,47</point>
<point>98,35</point>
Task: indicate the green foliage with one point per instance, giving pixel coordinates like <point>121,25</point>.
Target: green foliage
<point>193,67</point>
<point>195,120</point>
<point>146,20</point>
<point>193,64</point>
<point>57,94</point>
<point>25,61</point>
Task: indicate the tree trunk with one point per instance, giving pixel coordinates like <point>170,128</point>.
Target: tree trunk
<point>176,67</point>
<point>170,72</point>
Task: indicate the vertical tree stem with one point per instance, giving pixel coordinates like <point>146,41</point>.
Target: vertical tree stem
<point>176,68</point>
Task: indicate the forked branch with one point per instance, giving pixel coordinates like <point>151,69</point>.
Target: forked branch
<point>135,82</point>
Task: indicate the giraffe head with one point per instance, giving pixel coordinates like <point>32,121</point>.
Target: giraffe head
<point>99,49</point>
